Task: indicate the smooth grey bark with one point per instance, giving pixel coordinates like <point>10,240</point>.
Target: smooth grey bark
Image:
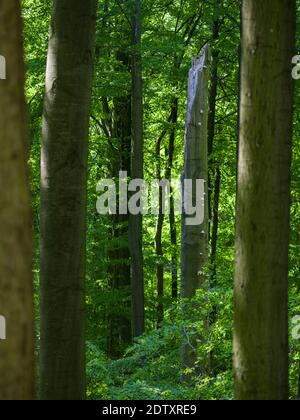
<point>263,201</point>
<point>194,242</point>
<point>16,291</point>
<point>195,238</point>
<point>63,198</point>
<point>137,163</point>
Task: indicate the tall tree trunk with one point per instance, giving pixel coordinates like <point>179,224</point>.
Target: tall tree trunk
<point>136,221</point>
<point>119,268</point>
<point>173,230</point>
<point>299,383</point>
<point>194,254</point>
<point>160,265</point>
<point>63,198</point>
<point>158,239</point>
<point>215,223</point>
<point>195,237</point>
<point>174,259</point>
<point>16,292</point>
<point>263,200</point>
<point>212,117</point>
<point>160,219</point>
<point>213,91</point>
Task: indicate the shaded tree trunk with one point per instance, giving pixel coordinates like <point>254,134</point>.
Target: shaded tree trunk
<point>213,91</point>
<point>137,162</point>
<point>263,200</point>
<point>161,217</point>
<point>158,238</point>
<point>16,291</point>
<point>299,383</point>
<point>160,265</point>
<point>119,267</point>
<point>215,223</point>
<point>212,118</point>
<point>174,259</point>
<point>63,198</point>
<point>173,230</point>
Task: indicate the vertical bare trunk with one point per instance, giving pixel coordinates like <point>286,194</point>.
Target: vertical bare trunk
<point>174,259</point>
<point>299,383</point>
<point>160,265</point>
<point>16,294</point>
<point>158,240</point>
<point>195,237</point>
<point>263,200</point>
<point>213,91</point>
<point>212,118</point>
<point>215,223</point>
<point>173,230</point>
<point>136,221</point>
<point>160,220</point>
<point>120,335</point>
<point>63,198</point>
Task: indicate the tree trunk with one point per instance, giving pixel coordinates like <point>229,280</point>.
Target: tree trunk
<point>213,91</point>
<point>174,259</point>
<point>160,265</point>
<point>195,237</point>
<point>161,217</point>
<point>120,335</point>
<point>215,224</point>
<point>136,221</point>
<point>158,241</point>
<point>263,200</point>
<point>16,291</point>
<point>212,118</point>
<point>63,198</point>
<point>173,230</point>
<point>299,383</point>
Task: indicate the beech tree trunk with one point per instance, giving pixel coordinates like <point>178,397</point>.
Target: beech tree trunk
<point>16,291</point>
<point>194,254</point>
<point>137,162</point>
<point>195,238</point>
<point>63,198</point>
<point>263,201</point>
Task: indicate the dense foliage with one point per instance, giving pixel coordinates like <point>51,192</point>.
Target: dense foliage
<point>173,33</point>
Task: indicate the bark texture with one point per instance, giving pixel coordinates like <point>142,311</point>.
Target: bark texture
<point>262,231</point>
<point>63,198</point>
<point>195,238</point>
<point>16,292</point>
<point>194,254</point>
